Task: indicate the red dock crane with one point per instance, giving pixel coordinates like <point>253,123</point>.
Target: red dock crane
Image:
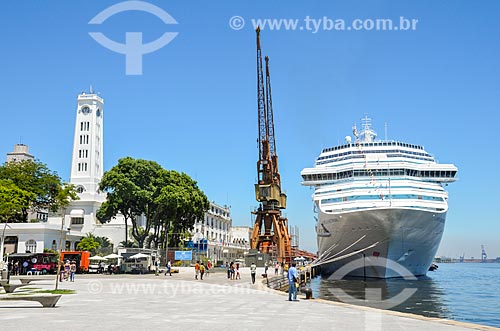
<point>270,230</point>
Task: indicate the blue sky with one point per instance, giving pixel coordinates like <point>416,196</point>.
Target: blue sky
<point>194,108</point>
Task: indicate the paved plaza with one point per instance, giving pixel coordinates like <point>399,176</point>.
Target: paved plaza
<point>179,302</point>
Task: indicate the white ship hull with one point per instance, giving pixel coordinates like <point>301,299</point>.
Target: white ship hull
<point>407,236</point>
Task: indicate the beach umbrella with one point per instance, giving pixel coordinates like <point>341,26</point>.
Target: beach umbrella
<point>138,256</point>
<point>97,258</point>
<point>113,256</point>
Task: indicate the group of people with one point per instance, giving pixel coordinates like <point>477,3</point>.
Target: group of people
<point>200,269</point>
<point>233,271</point>
<point>277,266</point>
<point>18,267</point>
<point>68,271</point>
<point>168,269</point>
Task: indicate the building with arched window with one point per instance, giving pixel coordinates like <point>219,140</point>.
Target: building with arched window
<point>30,246</point>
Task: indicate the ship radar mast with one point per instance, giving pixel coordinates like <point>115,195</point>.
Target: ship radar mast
<point>367,134</point>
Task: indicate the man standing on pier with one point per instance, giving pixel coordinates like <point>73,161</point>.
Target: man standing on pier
<point>292,279</point>
<point>253,271</point>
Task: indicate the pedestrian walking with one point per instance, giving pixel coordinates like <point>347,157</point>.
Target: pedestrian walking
<point>276,268</point>
<point>232,270</point>
<point>202,271</point>
<point>196,270</point>
<point>209,267</point>
<point>237,271</point>
<point>266,267</point>
<point>72,271</point>
<point>253,271</point>
<point>169,268</point>
<point>292,279</point>
<point>61,273</point>
<point>157,268</point>
<point>67,267</point>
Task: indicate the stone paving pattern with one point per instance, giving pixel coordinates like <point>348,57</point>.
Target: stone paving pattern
<point>179,302</point>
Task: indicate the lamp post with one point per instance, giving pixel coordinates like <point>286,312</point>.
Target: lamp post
<point>2,264</point>
<point>3,242</point>
<point>60,248</point>
<point>166,242</point>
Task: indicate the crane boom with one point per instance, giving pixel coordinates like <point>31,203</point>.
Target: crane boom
<point>271,229</point>
<point>270,125</point>
<point>261,103</point>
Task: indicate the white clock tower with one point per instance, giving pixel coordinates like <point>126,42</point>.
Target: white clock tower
<point>86,173</point>
<point>87,160</point>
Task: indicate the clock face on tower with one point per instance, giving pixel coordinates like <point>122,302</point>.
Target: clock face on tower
<point>85,109</point>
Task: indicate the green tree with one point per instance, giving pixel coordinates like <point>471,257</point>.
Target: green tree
<point>45,188</point>
<point>164,197</point>
<point>106,247</point>
<point>12,201</point>
<point>182,203</point>
<point>128,186</point>
<point>89,243</point>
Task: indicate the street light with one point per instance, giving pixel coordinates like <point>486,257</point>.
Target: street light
<point>2,264</point>
<point>60,248</point>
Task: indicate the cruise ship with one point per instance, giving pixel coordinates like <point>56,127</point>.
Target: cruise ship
<point>380,202</point>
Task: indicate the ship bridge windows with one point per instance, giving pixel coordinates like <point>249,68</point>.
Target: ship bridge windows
<point>377,143</point>
<point>360,153</point>
<point>383,197</point>
<point>380,173</point>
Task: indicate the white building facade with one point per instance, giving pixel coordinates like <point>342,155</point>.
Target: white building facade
<point>21,153</point>
<point>218,231</point>
<point>223,241</point>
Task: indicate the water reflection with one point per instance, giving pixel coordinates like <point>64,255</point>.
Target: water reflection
<point>426,298</point>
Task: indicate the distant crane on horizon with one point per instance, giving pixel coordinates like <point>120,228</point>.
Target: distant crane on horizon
<point>483,254</point>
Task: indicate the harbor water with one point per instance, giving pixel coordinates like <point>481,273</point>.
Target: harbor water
<point>466,292</point>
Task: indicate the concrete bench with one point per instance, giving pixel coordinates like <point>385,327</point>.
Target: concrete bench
<point>9,288</point>
<point>47,300</point>
<point>26,280</point>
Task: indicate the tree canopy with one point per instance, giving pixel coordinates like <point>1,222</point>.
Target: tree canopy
<point>170,201</point>
<point>27,186</point>
<point>89,243</point>
<point>95,245</point>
